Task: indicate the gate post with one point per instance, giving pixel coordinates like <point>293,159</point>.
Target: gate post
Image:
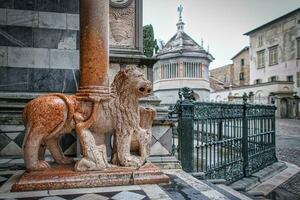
<point>186,128</point>
<point>245,137</point>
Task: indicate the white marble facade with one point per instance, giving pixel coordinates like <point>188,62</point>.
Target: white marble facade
<point>182,63</point>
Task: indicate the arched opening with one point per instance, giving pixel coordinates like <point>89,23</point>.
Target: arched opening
<point>258,97</point>
<point>196,96</point>
<point>286,88</point>
<point>284,108</point>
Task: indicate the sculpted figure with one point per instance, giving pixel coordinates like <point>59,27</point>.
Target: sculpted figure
<point>48,117</point>
<point>140,140</point>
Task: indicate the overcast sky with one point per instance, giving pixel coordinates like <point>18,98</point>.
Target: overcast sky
<point>221,23</point>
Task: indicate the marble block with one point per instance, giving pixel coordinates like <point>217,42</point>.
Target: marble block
<point>52,20</point>
<point>22,18</point>
<point>73,21</point>
<point>64,177</point>
<point>2,16</point>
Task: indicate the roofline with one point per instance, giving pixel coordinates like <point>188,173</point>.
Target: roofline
<point>181,52</point>
<point>241,51</point>
<point>217,80</point>
<point>227,65</point>
<point>273,21</point>
<point>175,51</point>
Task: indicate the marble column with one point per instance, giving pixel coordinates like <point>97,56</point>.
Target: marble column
<point>94,45</point>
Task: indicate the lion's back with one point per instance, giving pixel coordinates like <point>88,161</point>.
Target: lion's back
<point>45,112</point>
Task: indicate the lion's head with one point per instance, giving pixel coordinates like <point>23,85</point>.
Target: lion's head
<point>132,81</point>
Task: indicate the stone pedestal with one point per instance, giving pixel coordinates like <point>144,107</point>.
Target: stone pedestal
<point>64,177</point>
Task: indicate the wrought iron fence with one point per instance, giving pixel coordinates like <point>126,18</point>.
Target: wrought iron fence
<point>223,140</point>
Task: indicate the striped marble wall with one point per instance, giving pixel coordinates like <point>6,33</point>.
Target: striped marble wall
<point>39,42</point>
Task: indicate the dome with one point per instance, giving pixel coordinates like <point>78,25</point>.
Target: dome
<point>182,62</point>
<point>181,44</point>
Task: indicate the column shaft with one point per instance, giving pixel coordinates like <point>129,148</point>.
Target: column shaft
<point>94,44</point>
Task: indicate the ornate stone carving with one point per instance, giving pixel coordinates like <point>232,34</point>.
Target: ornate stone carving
<point>50,116</point>
<point>120,3</point>
<point>122,26</point>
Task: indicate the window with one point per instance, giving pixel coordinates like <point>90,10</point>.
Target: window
<point>258,81</point>
<point>273,55</point>
<point>298,79</point>
<point>261,59</point>
<point>156,74</point>
<point>192,70</point>
<point>260,40</point>
<point>298,47</point>
<point>241,76</point>
<point>273,78</point>
<point>170,70</point>
<point>290,78</point>
<point>242,62</point>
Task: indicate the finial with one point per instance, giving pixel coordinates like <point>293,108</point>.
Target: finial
<point>180,9</point>
<point>245,97</point>
<point>180,24</point>
<point>202,42</point>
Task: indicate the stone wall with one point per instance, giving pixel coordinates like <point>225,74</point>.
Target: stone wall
<point>238,68</point>
<point>279,93</point>
<point>283,33</point>
<point>224,74</point>
<point>39,43</point>
<point>167,88</point>
<point>230,74</point>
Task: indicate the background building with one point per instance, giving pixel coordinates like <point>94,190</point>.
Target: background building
<point>223,74</point>
<point>235,74</point>
<point>182,62</point>
<point>275,51</point>
<point>274,66</point>
<point>241,68</point>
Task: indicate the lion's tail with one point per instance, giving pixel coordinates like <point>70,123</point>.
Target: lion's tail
<point>68,102</point>
<point>70,113</point>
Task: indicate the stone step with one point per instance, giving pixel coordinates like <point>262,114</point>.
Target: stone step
<point>266,187</point>
<point>165,162</point>
<point>255,179</point>
<point>187,185</point>
<point>234,192</point>
<point>270,171</point>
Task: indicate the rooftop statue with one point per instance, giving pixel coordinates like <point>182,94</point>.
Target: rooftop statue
<point>180,10</point>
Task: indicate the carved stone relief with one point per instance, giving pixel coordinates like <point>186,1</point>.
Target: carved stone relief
<point>122,26</point>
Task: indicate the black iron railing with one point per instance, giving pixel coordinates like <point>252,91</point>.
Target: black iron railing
<point>223,140</point>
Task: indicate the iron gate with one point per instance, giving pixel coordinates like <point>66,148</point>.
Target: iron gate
<point>223,140</point>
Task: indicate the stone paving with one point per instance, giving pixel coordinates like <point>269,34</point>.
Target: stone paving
<point>288,140</point>
<point>288,190</point>
<point>288,149</point>
<point>182,186</point>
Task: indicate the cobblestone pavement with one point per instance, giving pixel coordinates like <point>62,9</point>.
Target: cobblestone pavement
<point>288,140</point>
<point>288,149</point>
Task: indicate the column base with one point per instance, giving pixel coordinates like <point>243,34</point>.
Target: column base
<point>64,177</point>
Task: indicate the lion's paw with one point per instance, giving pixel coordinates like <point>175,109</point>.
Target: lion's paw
<point>40,165</point>
<point>82,165</point>
<point>134,161</point>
